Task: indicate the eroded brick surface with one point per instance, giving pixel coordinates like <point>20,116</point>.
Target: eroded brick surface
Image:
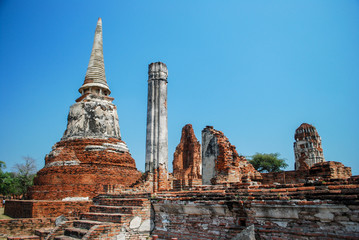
<point>24,226</point>
<point>221,161</point>
<point>161,179</point>
<point>322,171</point>
<point>307,147</point>
<point>293,211</point>
<point>187,161</point>
<point>83,168</point>
<point>330,170</point>
<point>45,208</point>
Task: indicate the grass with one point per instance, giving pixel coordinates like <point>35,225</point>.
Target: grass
<point>2,216</point>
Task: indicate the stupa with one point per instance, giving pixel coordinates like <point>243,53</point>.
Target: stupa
<point>307,147</point>
<point>91,156</point>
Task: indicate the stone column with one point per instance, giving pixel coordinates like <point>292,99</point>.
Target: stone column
<point>157,130</point>
<point>210,152</point>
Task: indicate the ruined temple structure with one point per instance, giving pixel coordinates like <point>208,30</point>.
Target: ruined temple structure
<point>220,161</point>
<point>91,156</point>
<point>187,160</point>
<point>90,188</point>
<point>307,147</point>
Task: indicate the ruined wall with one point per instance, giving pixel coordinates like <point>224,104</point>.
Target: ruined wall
<point>307,147</point>
<point>330,170</point>
<point>187,161</point>
<point>322,171</point>
<point>41,209</point>
<point>293,211</point>
<point>197,219</point>
<point>220,161</point>
<point>24,227</point>
<point>285,177</point>
<point>303,220</point>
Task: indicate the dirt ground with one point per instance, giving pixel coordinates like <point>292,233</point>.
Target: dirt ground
<point>2,216</point>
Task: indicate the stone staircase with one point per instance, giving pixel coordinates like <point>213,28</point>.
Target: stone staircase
<point>110,216</point>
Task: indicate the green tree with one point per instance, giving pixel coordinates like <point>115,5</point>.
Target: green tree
<point>8,184</point>
<point>268,162</point>
<point>7,181</point>
<point>3,179</point>
<point>2,165</point>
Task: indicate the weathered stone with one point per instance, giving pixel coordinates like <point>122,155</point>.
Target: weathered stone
<point>92,117</point>
<point>278,212</point>
<point>135,222</point>
<point>157,130</point>
<point>95,78</point>
<point>60,220</point>
<point>220,161</point>
<point>121,236</point>
<point>146,226</point>
<point>307,147</point>
<point>187,161</point>
<point>325,215</point>
<point>246,234</point>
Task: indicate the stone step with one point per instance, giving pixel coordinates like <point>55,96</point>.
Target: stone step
<point>63,237</point>
<point>138,195</point>
<point>113,209</point>
<point>75,232</point>
<point>121,201</point>
<point>86,224</point>
<point>43,232</point>
<point>106,217</point>
<point>32,237</point>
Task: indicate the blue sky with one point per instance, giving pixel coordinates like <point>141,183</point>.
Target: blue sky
<point>255,70</point>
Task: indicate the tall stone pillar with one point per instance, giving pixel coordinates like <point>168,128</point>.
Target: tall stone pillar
<point>157,130</point>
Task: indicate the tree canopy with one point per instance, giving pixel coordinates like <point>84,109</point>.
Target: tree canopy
<point>2,165</point>
<point>268,162</point>
<point>16,183</point>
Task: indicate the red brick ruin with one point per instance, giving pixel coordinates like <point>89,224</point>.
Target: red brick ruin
<point>90,187</point>
<point>83,168</point>
<point>187,161</point>
<point>221,161</point>
<point>307,147</point>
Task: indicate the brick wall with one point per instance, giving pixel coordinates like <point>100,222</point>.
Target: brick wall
<point>45,208</point>
<point>323,171</point>
<point>285,177</point>
<point>330,170</point>
<point>292,211</point>
<point>23,227</point>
